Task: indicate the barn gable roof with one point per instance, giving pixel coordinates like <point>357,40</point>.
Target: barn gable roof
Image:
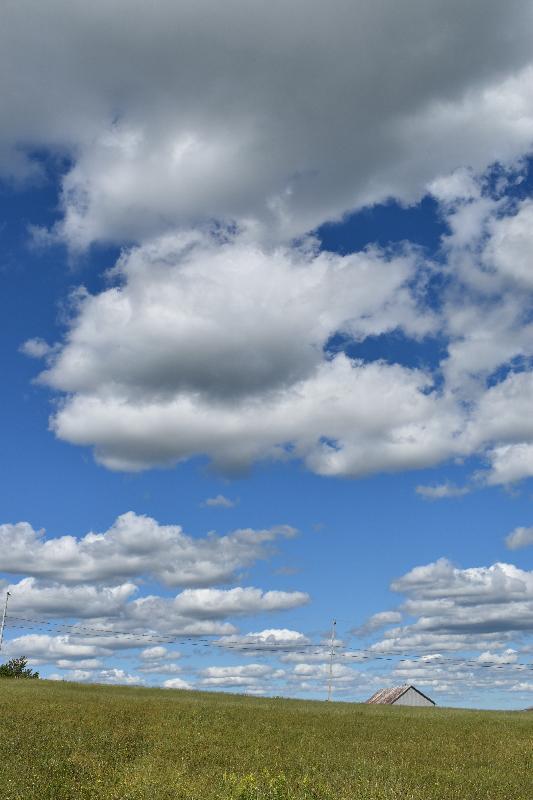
<point>391,695</point>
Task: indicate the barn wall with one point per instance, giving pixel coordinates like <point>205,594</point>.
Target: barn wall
<point>412,698</point>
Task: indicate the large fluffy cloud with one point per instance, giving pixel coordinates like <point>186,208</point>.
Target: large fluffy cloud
<point>339,421</point>
<point>207,344</point>
<point>224,320</point>
<point>217,603</point>
<point>29,596</point>
<point>223,350</point>
<point>462,609</point>
<point>41,647</point>
<point>114,609</point>
<point>496,584</point>
<point>134,546</point>
<point>274,115</point>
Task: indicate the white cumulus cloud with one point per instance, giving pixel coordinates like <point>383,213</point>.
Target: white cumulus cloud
<point>219,501</point>
<point>442,490</point>
<point>189,111</point>
<point>520,537</point>
<point>454,608</point>
<point>176,683</point>
<point>208,344</point>
<point>133,546</point>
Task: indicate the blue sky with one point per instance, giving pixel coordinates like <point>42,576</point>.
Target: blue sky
<point>271,341</point>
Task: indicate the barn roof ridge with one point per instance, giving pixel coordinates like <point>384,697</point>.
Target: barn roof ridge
<point>390,695</point>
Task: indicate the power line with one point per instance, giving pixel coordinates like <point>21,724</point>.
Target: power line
<point>90,632</point>
<point>304,648</point>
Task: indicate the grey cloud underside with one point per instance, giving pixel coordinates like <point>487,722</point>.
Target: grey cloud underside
<point>227,320</point>
<point>278,116</point>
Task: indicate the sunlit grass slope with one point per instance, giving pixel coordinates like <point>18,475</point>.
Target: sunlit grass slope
<point>62,741</point>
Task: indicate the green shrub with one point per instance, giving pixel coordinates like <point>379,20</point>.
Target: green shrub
<point>17,668</point>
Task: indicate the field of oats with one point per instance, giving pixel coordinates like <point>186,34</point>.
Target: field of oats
<point>65,741</point>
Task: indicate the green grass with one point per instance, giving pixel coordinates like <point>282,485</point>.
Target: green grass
<point>62,741</point>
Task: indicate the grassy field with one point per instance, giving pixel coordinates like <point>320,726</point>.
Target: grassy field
<point>64,741</point>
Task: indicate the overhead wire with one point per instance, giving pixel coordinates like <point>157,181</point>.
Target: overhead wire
<point>397,656</point>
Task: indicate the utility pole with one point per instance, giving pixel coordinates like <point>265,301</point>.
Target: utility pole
<point>8,595</point>
<point>331,654</point>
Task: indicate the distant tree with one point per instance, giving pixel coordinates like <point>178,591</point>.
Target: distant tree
<point>17,668</point>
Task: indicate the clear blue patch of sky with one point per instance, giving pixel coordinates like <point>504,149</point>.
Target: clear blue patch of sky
<point>388,225</point>
<point>394,348</point>
<point>385,224</point>
<point>516,365</point>
<point>521,179</point>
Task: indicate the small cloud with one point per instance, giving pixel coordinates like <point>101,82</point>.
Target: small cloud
<point>266,639</point>
<point>458,187</point>
<point>157,653</point>
<point>41,237</point>
<point>176,683</point>
<point>220,501</point>
<point>160,668</point>
<point>510,656</point>
<point>377,621</point>
<point>442,490</point>
<point>286,571</point>
<point>520,537</point>
<point>35,348</point>
<point>523,687</point>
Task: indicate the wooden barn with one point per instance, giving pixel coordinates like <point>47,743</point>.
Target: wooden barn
<point>401,696</point>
